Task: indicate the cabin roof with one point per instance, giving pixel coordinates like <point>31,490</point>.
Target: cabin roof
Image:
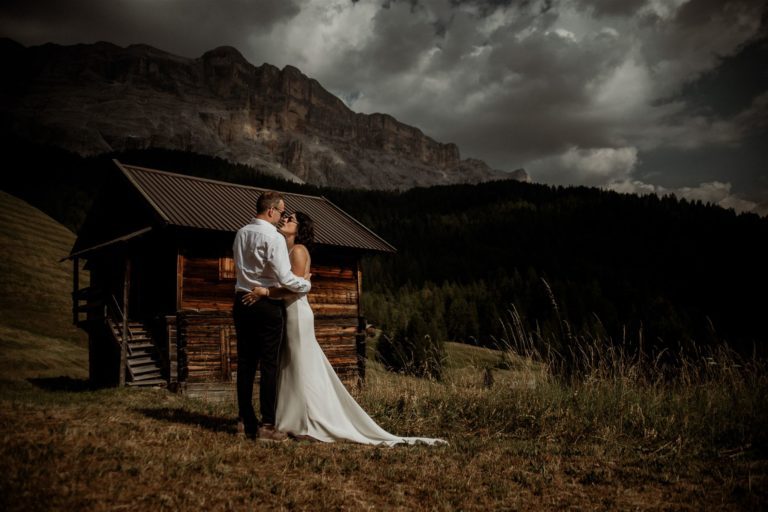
<point>192,202</point>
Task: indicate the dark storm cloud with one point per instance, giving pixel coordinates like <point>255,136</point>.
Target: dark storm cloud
<point>613,7</point>
<point>388,49</point>
<point>184,27</point>
<point>575,94</point>
<point>521,96</point>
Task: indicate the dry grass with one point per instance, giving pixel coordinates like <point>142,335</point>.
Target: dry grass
<point>541,447</point>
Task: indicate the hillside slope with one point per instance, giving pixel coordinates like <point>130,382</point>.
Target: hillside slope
<point>37,337</point>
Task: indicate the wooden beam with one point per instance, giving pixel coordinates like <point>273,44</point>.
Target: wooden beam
<point>361,328</point>
<point>75,289</point>
<point>124,343</point>
<point>179,280</point>
<point>360,311</point>
<point>224,360</point>
<point>173,353</point>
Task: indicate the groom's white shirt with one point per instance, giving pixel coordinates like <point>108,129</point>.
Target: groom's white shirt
<point>261,259</point>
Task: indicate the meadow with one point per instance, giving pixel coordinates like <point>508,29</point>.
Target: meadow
<point>526,442</point>
<point>623,433</point>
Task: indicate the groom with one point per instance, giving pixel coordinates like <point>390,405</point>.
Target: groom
<point>261,259</point>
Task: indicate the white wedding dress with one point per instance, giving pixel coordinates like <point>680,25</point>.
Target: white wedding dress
<point>311,400</point>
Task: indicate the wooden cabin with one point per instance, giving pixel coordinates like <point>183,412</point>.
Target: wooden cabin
<point>158,247</point>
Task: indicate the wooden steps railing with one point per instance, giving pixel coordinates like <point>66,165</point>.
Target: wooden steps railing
<point>143,361</point>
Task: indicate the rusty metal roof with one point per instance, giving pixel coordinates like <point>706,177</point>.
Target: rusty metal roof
<point>216,205</point>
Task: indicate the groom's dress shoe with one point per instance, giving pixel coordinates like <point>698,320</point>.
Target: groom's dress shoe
<point>269,433</point>
<point>243,431</point>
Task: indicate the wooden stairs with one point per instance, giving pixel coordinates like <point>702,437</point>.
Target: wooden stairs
<point>143,361</point>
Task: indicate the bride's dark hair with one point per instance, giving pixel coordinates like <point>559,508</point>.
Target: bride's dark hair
<point>305,235</point>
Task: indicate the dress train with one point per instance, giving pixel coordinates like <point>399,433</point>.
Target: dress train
<point>311,400</point>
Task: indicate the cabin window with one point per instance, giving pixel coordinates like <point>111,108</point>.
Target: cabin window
<point>226,268</point>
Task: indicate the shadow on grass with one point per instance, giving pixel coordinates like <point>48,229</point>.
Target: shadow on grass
<point>214,423</point>
<point>68,384</point>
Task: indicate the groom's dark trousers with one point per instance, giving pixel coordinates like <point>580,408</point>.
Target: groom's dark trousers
<point>259,329</point>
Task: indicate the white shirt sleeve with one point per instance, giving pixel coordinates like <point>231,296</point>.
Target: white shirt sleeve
<point>281,265</point>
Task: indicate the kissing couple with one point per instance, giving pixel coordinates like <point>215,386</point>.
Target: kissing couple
<point>299,392</point>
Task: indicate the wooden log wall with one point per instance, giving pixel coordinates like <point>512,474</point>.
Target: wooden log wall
<point>335,301</point>
<point>208,346</point>
<point>201,288</point>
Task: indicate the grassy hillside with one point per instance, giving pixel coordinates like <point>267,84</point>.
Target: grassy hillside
<point>37,337</point>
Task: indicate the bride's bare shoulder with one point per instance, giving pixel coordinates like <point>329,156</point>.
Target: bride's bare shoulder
<point>299,253</point>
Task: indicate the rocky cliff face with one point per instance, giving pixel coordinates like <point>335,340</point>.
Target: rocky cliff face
<point>100,98</point>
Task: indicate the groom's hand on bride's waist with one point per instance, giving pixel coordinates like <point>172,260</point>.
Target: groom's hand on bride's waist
<point>255,295</point>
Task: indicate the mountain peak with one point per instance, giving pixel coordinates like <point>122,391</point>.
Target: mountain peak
<point>228,53</point>
<point>100,98</point>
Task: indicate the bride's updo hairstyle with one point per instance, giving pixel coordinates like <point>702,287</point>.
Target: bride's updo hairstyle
<point>305,235</point>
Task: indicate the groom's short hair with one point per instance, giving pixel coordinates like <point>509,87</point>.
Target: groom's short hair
<point>268,199</point>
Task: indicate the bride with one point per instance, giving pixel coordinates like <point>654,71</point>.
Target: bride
<point>312,403</point>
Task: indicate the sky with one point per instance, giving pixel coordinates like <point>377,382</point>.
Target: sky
<point>637,96</point>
